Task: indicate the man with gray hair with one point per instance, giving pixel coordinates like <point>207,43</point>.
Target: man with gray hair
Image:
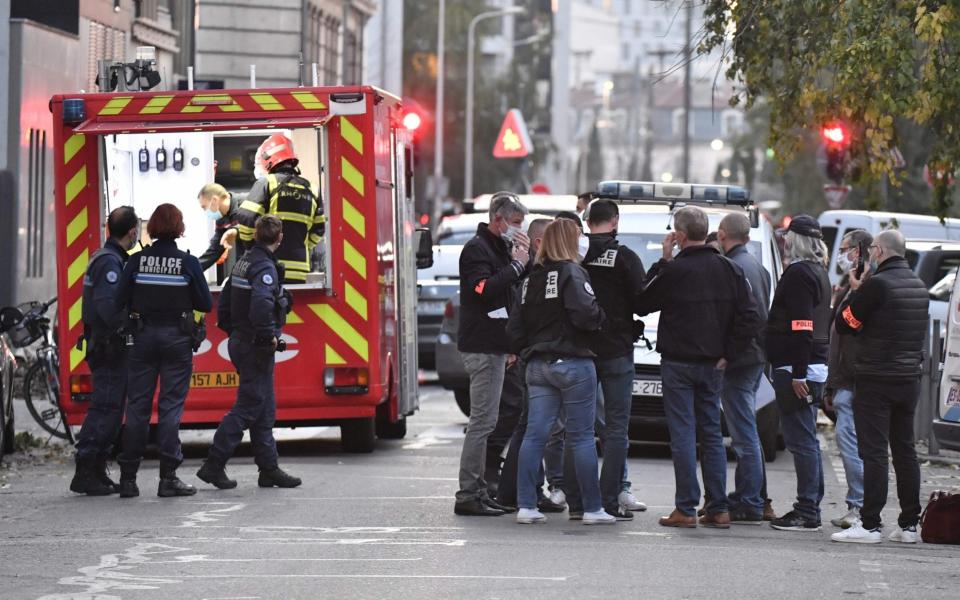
<point>490,264</point>
<point>741,380</point>
<point>708,316</point>
<point>888,312</point>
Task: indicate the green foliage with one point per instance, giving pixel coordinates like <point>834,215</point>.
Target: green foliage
<point>890,70</point>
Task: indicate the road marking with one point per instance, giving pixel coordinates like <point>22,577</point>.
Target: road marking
<point>425,442</point>
<point>399,478</point>
<point>210,516</point>
<point>874,583</point>
<point>113,574</point>
<point>647,534</point>
<point>203,558</point>
<point>371,576</point>
<point>375,498</point>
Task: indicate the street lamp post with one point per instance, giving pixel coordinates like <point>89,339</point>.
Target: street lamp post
<point>438,117</point>
<point>468,144</point>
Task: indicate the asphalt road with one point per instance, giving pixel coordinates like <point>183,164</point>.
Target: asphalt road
<point>382,526</point>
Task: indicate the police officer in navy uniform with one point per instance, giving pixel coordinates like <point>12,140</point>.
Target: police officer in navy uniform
<point>161,287</point>
<point>252,309</point>
<point>106,355</point>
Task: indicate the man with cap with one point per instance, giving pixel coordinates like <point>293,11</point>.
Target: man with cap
<point>797,342</point>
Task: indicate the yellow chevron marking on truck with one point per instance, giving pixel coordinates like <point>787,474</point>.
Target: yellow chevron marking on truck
<point>354,259</point>
<point>77,267</point>
<point>339,326</point>
<point>156,105</point>
<point>331,356</point>
<point>115,106</point>
<point>75,185</point>
<point>73,145</point>
<point>354,218</point>
<point>266,101</point>
<point>308,100</point>
<point>351,134</point>
<point>352,175</point>
<point>356,301</point>
<point>76,357</point>
<point>77,226</point>
<point>76,312</point>
<point>294,319</point>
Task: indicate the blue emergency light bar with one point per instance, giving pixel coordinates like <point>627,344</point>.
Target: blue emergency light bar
<point>642,192</point>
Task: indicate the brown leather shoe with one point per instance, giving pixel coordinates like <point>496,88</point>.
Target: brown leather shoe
<point>768,513</point>
<point>716,521</point>
<point>678,519</point>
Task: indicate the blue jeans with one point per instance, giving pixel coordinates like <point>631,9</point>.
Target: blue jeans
<point>800,436</point>
<point>255,408</point>
<point>847,443</point>
<point>570,383</point>
<point>691,399</point>
<point>740,410</point>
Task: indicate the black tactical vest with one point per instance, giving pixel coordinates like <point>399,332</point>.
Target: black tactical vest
<point>161,285</point>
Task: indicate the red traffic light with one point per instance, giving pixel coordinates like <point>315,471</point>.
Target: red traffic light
<point>412,121</point>
<point>834,134</point>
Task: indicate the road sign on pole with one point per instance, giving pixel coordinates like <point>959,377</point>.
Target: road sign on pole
<point>514,140</point>
<point>836,195</point>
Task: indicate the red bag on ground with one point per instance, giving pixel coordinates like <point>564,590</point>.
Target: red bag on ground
<point>940,521</point>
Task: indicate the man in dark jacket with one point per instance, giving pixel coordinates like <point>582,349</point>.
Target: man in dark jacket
<point>741,380</point>
<point>708,315</point>
<point>841,379</point>
<point>490,264</point>
<point>888,313</point>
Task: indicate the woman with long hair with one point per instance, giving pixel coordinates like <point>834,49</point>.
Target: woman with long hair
<point>552,329</point>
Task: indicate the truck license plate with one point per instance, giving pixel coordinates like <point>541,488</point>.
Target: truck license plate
<point>223,379</point>
<point>647,387</point>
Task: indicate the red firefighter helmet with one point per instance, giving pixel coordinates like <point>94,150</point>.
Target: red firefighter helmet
<point>276,149</point>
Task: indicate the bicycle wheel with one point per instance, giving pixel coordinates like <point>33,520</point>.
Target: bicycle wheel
<point>42,401</point>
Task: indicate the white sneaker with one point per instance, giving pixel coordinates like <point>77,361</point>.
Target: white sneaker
<point>557,496</point>
<point>530,516</point>
<point>598,518</point>
<point>848,520</point>
<point>628,501</point>
<point>858,535</point>
<point>905,536</point>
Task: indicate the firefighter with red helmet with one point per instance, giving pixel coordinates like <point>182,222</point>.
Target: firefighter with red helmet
<point>285,193</point>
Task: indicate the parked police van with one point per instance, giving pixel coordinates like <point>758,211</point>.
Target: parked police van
<point>837,223</point>
<point>646,216</point>
<point>946,425</point>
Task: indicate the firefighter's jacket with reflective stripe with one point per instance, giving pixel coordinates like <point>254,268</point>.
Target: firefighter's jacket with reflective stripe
<point>287,195</point>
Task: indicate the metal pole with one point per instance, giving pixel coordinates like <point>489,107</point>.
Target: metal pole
<point>438,116</point>
<point>253,77</point>
<point>933,401</point>
<point>189,78</point>
<point>686,92</point>
<point>468,143</point>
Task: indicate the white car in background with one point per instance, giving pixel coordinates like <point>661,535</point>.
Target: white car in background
<point>646,216</point>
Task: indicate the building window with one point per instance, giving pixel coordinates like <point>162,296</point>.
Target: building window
<point>730,123</point>
<point>105,43</point>
<point>36,201</point>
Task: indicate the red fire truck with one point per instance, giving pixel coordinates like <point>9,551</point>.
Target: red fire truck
<point>351,338</point>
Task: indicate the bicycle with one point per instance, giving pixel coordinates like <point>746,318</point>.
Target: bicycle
<point>41,384</point>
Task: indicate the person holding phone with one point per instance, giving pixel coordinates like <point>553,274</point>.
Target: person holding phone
<point>798,335</point>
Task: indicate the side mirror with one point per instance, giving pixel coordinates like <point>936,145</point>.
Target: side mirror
<point>9,317</point>
<point>754,216</point>
<point>423,240</point>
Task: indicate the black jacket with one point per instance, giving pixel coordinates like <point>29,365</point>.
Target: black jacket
<point>558,316</point>
<point>841,370</point>
<point>889,315</point>
<point>252,302</point>
<point>487,275</point>
<point>798,327</point>
<point>617,275</point>
<point>161,282</point>
<point>101,317</point>
<point>707,309</point>
<point>759,280</point>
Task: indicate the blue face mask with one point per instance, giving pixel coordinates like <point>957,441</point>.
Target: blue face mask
<point>213,215</point>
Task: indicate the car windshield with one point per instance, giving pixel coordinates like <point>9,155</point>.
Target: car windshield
<point>455,238</point>
<point>649,246</point>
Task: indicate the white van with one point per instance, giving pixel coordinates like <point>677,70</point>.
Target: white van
<point>547,204</point>
<point>836,223</point>
<point>946,426</point>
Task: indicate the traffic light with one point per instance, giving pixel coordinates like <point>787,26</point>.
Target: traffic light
<point>412,121</point>
<point>836,141</point>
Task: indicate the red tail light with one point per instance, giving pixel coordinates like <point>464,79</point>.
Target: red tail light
<point>81,384</point>
<point>448,310</point>
<point>346,380</point>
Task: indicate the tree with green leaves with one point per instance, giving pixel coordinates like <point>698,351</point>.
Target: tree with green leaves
<point>889,70</point>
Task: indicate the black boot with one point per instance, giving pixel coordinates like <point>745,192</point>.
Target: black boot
<point>277,478</point>
<point>128,479</point>
<point>103,475</point>
<point>215,474</point>
<point>170,484</point>
<point>86,481</point>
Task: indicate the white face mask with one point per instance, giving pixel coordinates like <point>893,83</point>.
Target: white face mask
<point>511,232</point>
<point>844,262</point>
<point>583,245</point>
